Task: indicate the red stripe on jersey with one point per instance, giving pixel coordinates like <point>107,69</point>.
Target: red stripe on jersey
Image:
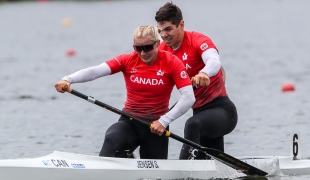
<point>149,86</point>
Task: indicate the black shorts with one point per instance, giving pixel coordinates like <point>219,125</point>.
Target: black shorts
<point>209,124</point>
<point>127,134</point>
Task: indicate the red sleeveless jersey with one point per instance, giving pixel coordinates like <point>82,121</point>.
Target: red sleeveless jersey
<point>149,86</point>
<point>190,51</point>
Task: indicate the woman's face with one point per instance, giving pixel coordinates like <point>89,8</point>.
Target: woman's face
<point>147,49</point>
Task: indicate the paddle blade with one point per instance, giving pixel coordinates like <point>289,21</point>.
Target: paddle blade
<point>234,162</point>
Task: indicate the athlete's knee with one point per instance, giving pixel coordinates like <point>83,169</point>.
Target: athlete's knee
<point>109,133</point>
<point>109,147</point>
<point>111,139</point>
<point>191,123</point>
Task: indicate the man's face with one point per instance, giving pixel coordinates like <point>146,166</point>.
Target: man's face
<point>170,33</point>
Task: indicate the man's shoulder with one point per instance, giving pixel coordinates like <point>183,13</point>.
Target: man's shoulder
<point>195,34</point>
<point>168,56</point>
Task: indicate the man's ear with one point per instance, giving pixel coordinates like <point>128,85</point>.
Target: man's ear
<point>182,24</point>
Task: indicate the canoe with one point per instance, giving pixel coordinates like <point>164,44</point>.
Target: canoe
<point>70,166</point>
<point>214,153</point>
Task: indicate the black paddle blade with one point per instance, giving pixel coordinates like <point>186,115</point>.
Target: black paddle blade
<point>234,162</point>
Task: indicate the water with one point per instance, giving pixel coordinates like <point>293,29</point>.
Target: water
<point>262,45</point>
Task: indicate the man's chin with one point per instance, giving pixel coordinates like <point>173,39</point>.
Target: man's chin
<point>167,42</point>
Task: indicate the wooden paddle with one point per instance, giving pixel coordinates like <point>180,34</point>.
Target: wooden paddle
<point>216,154</point>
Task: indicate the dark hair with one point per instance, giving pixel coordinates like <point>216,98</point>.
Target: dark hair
<point>169,12</point>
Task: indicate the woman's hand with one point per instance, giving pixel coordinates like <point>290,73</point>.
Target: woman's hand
<point>157,128</point>
<point>60,84</point>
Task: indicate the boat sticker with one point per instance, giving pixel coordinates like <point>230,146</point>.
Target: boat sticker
<point>47,163</point>
<point>59,163</point>
<point>78,165</point>
<point>147,164</point>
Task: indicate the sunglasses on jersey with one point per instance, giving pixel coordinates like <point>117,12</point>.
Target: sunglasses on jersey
<point>145,48</point>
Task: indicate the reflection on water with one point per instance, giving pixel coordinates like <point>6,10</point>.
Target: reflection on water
<point>262,45</point>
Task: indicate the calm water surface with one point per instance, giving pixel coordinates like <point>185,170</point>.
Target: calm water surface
<point>262,45</point>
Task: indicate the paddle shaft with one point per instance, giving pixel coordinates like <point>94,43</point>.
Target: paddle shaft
<point>216,154</point>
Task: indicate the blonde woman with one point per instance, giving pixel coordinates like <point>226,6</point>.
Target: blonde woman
<point>150,75</point>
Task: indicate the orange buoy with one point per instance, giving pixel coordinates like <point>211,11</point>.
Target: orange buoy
<point>70,52</point>
<point>288,87</point>
<point>66,22</point>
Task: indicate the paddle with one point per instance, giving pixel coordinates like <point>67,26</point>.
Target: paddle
<point>216,154</point>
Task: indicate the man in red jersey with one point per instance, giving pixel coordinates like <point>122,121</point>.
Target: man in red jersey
<point>150,75</point>
<point>214,114</point>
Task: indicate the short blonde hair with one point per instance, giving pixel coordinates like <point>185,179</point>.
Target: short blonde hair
<point>146,30</point>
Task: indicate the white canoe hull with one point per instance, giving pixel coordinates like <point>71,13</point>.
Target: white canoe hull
<point>69,166</point>
<point>60,165</point>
